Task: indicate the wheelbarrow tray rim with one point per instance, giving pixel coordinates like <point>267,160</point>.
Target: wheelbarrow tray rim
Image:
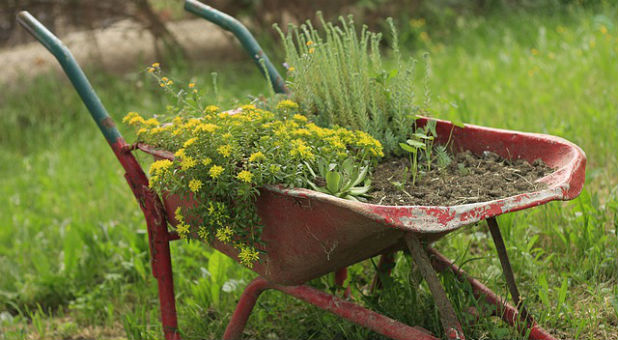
<point>564,183</point>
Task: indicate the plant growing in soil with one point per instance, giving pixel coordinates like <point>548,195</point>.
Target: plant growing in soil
<point>222,158</point>
<point>342,179</point>
<point>338,78</point>
<point>412,146</point>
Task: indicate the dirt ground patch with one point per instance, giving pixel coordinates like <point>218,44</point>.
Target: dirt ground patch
<point>120,47</point>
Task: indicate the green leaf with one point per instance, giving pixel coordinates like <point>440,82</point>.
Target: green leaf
<point>313,185</point>
<point>333,181</point>
<point>216,268</point>
<point>562,293</point>
<point>422,136</point>
<point>543,290</point>
<point>431,127</point>
<point>348,165</point>
<point>361,176</point>
<point>310,170</point>
<point>360,190</point>
<point>458,123</point>
<point>407,148</point>
<point>416,144</point>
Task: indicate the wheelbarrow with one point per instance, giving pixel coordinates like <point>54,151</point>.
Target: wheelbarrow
<point>308,234</point>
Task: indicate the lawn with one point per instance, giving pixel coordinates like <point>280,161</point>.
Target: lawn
<point>74,259</point>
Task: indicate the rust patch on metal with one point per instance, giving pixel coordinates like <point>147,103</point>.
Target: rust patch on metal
<point>108,122</point>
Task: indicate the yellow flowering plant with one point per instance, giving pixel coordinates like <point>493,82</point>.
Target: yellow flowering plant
<point>220,160</point>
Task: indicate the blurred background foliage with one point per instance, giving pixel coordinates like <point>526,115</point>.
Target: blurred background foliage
<point>63,16</point>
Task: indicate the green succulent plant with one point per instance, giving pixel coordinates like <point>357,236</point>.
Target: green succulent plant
<point>347,179</point>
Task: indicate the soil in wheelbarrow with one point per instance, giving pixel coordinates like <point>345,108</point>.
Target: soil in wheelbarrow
<point>468,179</point>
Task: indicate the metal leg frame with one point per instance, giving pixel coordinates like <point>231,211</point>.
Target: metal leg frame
<point>506,267</point>
<point>340,276</point>
<point>450,323</point>
<point>507,312</point>
<point>345,309</point>
<point>385,266</point>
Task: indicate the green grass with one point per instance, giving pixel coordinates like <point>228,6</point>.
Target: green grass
<point>73,251</point>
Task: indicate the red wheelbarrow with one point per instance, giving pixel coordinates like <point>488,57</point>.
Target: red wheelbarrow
<point>308,234</point>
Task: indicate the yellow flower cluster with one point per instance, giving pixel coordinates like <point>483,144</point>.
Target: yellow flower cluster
<point>195,185</point>
<point>287,104</point>
<point>211,109</point>
<point>257,156</point>
<point>159,167</point>
<point>225,150</point>
<point>224,234</point>
<point>248,256</point>
<point>302,150</point>
<point>189,142</point>
<point>365,140</point>
<point>298,117</point>
<point>215,171</point>
<point>133,118</point>
<point>217,214</point>
<point>178,214</point>
<point>152,122</point>
<point>245,176</point>
<point>180,153</point>
<point>183,230</point>
<point>203,233</point>
<point>187,162</point>
<point>205,128</point>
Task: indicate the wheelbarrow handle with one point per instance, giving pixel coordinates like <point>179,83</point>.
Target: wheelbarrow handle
<point>245,37</point>
<point>74,72</point>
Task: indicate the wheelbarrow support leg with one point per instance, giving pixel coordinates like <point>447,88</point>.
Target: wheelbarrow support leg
<point>501,308</point>
<point>340,276</point>
<point>506,266</point>
<point>450,323</point>
<point>159,241</point>
<point>385,266</point>
<point>245,305</point>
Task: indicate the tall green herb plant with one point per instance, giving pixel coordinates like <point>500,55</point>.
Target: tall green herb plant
<point>337,75</point>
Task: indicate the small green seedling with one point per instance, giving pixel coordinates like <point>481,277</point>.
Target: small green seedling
<point>427,141</point>
<point>412,146</point>
<point>442,157</point>
<point>427,134</point>
<point>342,180</point>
